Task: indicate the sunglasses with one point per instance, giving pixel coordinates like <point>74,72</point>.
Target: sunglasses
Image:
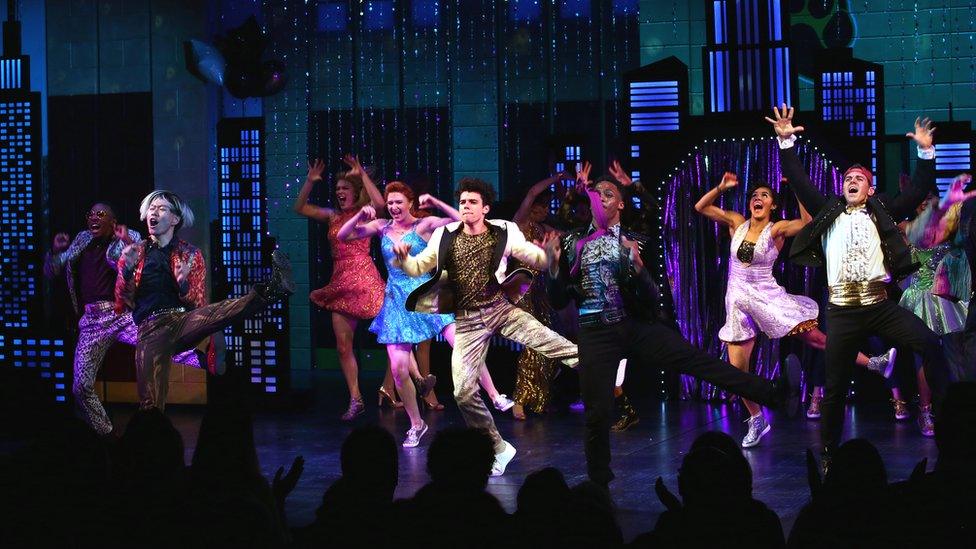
<point>98,214</point>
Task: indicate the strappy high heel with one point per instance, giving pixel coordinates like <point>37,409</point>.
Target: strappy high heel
<point>387,400</point>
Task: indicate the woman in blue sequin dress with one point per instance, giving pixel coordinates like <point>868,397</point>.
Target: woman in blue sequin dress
<point>395,326</point>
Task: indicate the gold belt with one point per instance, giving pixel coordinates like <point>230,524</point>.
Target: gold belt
<point>852,294</point>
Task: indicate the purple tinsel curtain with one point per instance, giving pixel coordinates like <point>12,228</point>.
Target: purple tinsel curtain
<point>697,249</point>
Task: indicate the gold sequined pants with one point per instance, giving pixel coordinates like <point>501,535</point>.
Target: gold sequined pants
<point>473,333</point>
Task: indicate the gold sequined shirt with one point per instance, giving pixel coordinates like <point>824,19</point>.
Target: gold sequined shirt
<point>469,268</point>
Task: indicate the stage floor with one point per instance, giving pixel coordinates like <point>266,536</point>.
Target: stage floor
<point>652,448</point>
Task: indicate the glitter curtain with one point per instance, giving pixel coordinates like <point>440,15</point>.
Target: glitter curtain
<point>697,249</point>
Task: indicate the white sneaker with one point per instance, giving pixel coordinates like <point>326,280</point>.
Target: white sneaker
<point>414,434</point>
<point>503,403</point>
<point>883,365</point>
<point>502,460</point>
<point>758,428</point>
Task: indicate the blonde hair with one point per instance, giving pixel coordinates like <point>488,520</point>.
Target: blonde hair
<point>362,197</point>
<point>180,208</point>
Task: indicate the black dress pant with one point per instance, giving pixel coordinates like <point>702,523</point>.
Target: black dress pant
<point>652,345</point>
<point>847,330</point>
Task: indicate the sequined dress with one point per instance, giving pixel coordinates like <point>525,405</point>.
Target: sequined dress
<point>754,301</point>
<point>940,314</point>
<point>533,370</point>
<point>355,288</point>
<point>394,323</point>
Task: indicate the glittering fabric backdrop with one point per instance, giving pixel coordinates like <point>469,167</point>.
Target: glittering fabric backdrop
<point>697,249</point>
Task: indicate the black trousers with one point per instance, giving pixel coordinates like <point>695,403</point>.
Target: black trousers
<point>651,345</point>
<point>847,330</point>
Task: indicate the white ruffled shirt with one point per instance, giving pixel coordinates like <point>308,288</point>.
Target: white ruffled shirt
<point>852,245</point>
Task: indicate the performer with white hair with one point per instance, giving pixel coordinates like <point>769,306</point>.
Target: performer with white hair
<point>161,280</point>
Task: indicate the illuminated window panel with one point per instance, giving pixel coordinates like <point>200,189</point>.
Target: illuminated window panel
<point>42,355</point>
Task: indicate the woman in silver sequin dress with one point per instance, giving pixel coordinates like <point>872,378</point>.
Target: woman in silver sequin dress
<point>754,300</point>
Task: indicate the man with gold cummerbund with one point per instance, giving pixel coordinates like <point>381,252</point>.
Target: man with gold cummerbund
<point>856,237</point>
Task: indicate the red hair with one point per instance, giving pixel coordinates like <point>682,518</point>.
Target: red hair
<point>405,190</point>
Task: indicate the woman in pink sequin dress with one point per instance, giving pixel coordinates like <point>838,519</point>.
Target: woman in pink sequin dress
<point>355,291</point>
<point>754,300</point>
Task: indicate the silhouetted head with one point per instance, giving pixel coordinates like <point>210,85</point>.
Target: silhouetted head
<point>710,477</point>
<point>153,447</point>
<point>727,445</point>
<point>461,459</point>
<point>225,453</point>
<point>369,457</point>
<point>856,469</point>
<point>543,492</point>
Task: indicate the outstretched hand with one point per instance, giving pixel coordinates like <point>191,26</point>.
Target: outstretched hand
<point>282,486</point>
<point>782,122</point>
<point>131,255</point>
<point>666,497</point>
<point>923,134</point>
<point>183,270</point>
<point>122,233</point>
<point>553,249</point>
<point>729,180</point>
<point>367,213</point>
<point>315,169</point>
<point>401,250</point>
<point>355,168</point>
<point>635,257</point>
<point>61,242</point>
<point>425,202</point>
<point>620,174</point>
<point>956,193</point>
<point>583,176</point>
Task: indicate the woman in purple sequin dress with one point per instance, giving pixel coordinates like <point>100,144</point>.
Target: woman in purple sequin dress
<point>754,300</point>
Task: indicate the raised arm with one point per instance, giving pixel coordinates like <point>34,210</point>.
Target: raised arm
<point>318,213</point>
<point>356,170</point>
<point>427,225</point>
<point>362,225</point>
<point>788,228</point>
<point>533,193</point>
<point>706,204</point>
<point>923,178</point>
<point>53,262</point>
<point>584,188</point>
<point>806,193</point>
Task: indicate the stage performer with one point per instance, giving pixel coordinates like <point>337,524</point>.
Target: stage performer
<point>856,237</point>
<point>754,300</point>
<point>620,316</point>
<point>471,259</point>
<point>161,281</point>
<point>355,291</point>
<point>394,326</point>
<point>90,265</point>
<point>939,290</point>
<point>533,371</point>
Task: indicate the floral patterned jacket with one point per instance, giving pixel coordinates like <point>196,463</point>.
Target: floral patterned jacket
<point>192,293</point>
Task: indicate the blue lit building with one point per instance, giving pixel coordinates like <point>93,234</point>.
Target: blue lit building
<point>24,342</point>
<point>849,99</point>
<point>746,63</point>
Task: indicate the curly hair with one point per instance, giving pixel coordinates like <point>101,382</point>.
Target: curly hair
<point>475,185</point>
